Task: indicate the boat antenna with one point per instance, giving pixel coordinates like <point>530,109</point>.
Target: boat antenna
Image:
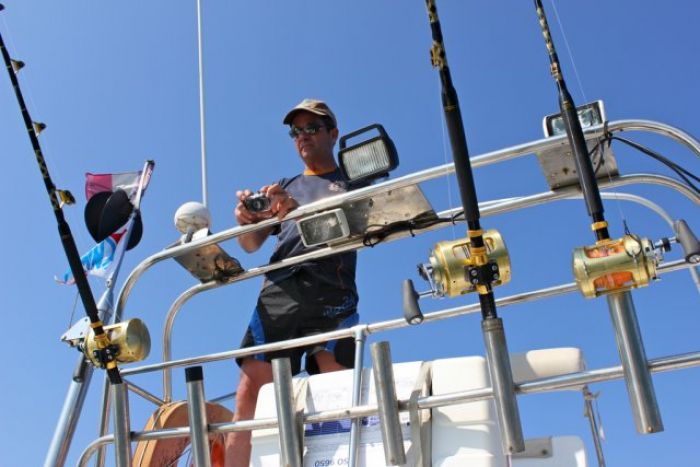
<point>105,349</point>
<point>482,272</point>
<point>202,132</point>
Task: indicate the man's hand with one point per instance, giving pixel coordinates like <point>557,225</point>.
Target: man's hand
<point>243,215</point>
<point>250,241</point>
<point>281,202</point>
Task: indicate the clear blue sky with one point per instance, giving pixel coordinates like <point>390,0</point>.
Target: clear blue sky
<point>116,83</point>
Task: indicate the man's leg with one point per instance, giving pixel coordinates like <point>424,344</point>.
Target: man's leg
<point>254,373</point>
<point>326,362</point>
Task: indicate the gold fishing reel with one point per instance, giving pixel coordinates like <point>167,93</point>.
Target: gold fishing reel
<point>614,265</point>
<point>452,268</point>
<point>129,341</point>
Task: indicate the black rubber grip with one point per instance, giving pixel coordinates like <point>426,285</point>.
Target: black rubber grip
<point>411,310</point>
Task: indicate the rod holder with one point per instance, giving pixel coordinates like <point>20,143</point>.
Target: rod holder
<point>387,403</point>
<point>122,429</point>
<point>289,435</point>
<point>197,416</point>
<point>502,385</point>
<point>635,366</point>
<point>357,376</point>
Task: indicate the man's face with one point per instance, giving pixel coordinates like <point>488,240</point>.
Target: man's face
<point>316,148</point>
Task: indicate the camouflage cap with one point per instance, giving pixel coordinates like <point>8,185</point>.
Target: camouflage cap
<point>314,106</point>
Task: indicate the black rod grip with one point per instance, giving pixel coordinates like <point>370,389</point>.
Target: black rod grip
<point>574,133</point>
<point>411,310</point>
<point>453,120</point>
<point>584,166</point>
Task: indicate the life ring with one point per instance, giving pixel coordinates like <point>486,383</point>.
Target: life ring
<point>166,452</point>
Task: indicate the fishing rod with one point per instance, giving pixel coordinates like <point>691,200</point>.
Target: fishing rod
<point>611,267</point>
<point>574,133</point>
<point>105,352</point>
<point>477,263</point>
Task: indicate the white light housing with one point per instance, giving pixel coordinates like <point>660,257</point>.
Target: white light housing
<point>589,115</point>
<point>370,159</point>
<point>323,228</point>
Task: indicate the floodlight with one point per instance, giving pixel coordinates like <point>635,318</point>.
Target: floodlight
<point>589,115</point>
<point>370,159</point>
<point>323,228</point>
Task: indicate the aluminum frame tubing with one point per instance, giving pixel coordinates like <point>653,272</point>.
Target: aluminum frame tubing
<point>197,416</point>
<point>122,428</point>
<point>387,404</point>
<point>377,327</point>
<point>289,436</point>
<point>555,383</point>
<point>502,385</point>
<point>68,420</point>
<point>640,388</point>
<point>360,333</point>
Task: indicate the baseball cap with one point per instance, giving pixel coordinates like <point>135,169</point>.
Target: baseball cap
<point>314,106</point>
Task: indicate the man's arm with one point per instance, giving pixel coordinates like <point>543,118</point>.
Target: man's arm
<point>280,204</point>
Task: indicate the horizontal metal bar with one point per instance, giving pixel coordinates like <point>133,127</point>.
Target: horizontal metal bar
<point>550,384</point>
<point>376,327</point>
<point>490,209</point>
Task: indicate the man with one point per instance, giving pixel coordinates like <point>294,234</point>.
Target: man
<point>310,298</point>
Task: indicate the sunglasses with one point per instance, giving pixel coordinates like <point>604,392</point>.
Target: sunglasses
<point>310,129</point>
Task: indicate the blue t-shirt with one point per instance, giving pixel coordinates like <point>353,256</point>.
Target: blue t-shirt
<point>334,271</point>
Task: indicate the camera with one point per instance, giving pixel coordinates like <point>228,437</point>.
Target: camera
<point>257,203</point>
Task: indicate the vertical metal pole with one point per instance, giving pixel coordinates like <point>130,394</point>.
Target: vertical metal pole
<point>202,133</point>
<point>388,404</point>
<point>640,388</point>
<point>70,414</point>
<point>590,414</point>
<point>286,417</point>
<point>104,421</point>
<point>197,416</point>
<point>502,385</point>
<point>122,429</point>
<point>360,337</point>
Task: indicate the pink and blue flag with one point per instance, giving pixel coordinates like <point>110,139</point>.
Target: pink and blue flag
<point>100,260</point>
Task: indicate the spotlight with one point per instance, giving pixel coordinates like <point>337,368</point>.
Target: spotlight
<point>323,228</point>
<point>370,159</point>
<point>589,115</point>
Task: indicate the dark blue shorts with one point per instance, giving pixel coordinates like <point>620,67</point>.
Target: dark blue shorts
<point>302,306</point>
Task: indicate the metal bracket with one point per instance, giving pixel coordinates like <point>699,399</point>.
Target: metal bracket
<point>559,168</point>
<point>209,262</point>
<point>536,448</point>
<point>77,332</point>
